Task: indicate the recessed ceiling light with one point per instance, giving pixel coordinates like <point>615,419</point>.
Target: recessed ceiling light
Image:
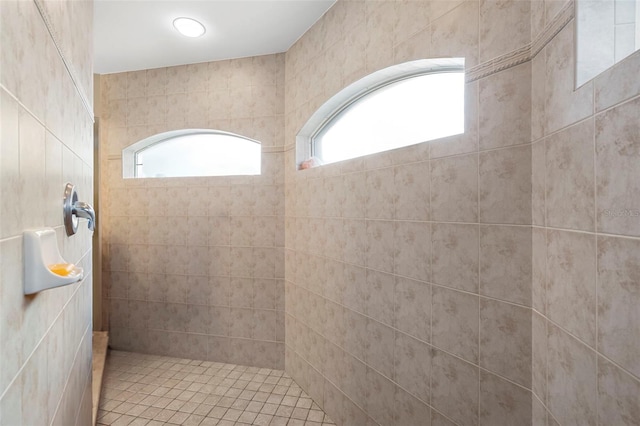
<point>189,27</point>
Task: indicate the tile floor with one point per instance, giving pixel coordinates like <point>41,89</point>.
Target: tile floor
<point>154,390</point>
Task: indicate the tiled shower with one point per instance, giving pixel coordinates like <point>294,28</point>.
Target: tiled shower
<point>489,278</point>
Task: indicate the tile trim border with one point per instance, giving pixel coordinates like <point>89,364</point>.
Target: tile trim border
<point>527,52</point>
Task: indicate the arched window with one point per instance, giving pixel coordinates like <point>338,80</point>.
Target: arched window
<point>192,152</point>
<point>398,106</point>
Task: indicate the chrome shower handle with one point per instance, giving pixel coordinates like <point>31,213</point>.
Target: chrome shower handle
<point>74,209</point>
<point>82,209</point>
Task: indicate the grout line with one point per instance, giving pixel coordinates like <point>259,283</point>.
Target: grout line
<point>595,219</point>
<point>479,299</point>
<point>596,234</point>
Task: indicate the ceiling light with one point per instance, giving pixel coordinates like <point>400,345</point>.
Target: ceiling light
<point>189,27</point>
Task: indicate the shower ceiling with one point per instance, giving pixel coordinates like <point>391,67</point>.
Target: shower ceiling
<point>138,34</point>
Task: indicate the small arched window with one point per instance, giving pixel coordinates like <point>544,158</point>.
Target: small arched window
<point>398,106</point>
<point>192,152</point>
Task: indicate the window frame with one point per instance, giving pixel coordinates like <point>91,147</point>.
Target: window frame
<point>306,140</point>
<point>130,153</point>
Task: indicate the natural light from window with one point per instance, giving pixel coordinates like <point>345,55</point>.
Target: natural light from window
<point>414,109</point>
<point>197,153</point>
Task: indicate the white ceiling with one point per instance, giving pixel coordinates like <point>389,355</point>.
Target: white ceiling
<point>138,34</point>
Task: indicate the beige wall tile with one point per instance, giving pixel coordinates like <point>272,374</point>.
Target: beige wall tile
<point>454,388</point>
<point>454,256</point>
<point>379,303</point>
<point>505,340</point>
<point>502,402</point>
<point>10,162</point>
<point>412,250</point>
<point>538,91</point>
<point>571,286</point>
<point>617,83</point>
<point>505,263</point>
<point>380,246</point>
<point>505,116</point>
<point>408,410</point>
<point>380,355</point>
<point>454,189</point>
<point>504,27</point>
<point>380,194</point>
<point>564,104</point>
<point>539,356</point>
<point>454,323</point>
<point>45,141</point>
<point>617,395</point>
<point>538,183</point>
<point>355,250</point>
<point>412,366</point>
<point>455,34</point>
<point>380,397</point>
<point>505,186</point>
<point>617,184</point>
<point>438,419</point>
<point>412,191</point>
<point>412,313</point>
<point>570,178</point>
<point>618,328</point>
<point>539,270</point>
<point>572,379</point>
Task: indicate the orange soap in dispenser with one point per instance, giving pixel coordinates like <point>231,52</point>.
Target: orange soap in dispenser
<point>62,269</point>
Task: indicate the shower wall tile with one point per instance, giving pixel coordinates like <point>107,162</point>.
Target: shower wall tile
<point>456,32</point>
<point>412,191</point>
<point>618,329</point>
<point>505,340</point>
<point>570,173</point>
<point>504,27</point>
<point>616,171</point>
<point>412,366</point>
<point>571,283</point>
<point>454,189</point>
<point>571,379</point>
<point>412,250</point>
<point>409,410</point>
<point>454,323</point>
<point>502,402</point>
<point>617,395</point>
<point>407,258</point>
<point>539,356</point>
<point>617,84</point>
<point>505,186</point>
<point>538,183</point>
<point>564,104</point>
<point>412,313</point>
<point>505,263</point>
<point>455,388</point>
<point>208,246</point>
<point>454,259</point>
<point>45,141</point>
<point>505,118</point>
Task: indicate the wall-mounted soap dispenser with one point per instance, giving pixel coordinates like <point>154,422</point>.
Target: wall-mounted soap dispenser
<point>74,209</point>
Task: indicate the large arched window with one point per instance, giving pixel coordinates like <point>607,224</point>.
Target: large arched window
<point>399,106</point>
<point>192,152</point>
